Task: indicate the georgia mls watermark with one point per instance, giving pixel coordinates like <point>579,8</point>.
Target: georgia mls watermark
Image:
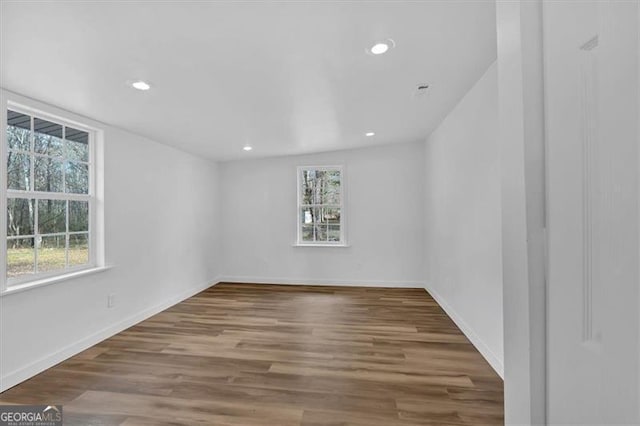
<point>30,415</point>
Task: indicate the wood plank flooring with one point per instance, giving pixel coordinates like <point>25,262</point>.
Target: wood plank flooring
<point>241,354</point>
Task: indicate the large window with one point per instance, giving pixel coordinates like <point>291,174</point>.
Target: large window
<point>320,206</point>
<point>49,197</point>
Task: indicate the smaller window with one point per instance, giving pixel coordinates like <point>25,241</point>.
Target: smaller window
<point>320,206</point>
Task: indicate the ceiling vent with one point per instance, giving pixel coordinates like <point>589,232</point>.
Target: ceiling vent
<point>421,90</point>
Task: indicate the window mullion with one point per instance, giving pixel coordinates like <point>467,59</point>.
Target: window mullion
<point>32,159</point>
<point>19,237</point>
<point>66,236</point>
<point>11,193</point>
<point>3,191</point>
<point>64,159</point>
<point>52,234</point>
<point>36,233</point>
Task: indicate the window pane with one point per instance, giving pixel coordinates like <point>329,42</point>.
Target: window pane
<point>307,185</point>
<point>19,216</point>
<point>18,131</point>
<point>330,187</point>
<point>77,178</point>
<point>307,233</point>
<point>321,232</point>
<point>317,186</point>
<point>48,174</point>
<point>330,215</point>
<point>78,249</point>
<point>20,258</point>
<point>316,232</point>
<point>48,138</point>
<point>306,215</point>
<point>52,253</point>
<point>77,144</point>
<point>334,233</point>
<point>310,215</point>
<point>18,171</point>
<point>52,216</point>
<point>78,216</point>
<point>320,187</point>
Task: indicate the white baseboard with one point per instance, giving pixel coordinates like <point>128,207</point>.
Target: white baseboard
<point>307,281</point>
<point>11,379</point>
<point>493,360</point>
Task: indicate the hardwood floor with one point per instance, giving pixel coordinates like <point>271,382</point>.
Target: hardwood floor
<point>241,354</point>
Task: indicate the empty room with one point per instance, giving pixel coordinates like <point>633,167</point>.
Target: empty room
<point>368,213</point>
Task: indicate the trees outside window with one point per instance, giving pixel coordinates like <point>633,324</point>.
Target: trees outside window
<point>320,205</point>
<point>48,197</point>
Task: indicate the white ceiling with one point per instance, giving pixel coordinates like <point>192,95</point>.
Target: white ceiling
<point>285,77</point>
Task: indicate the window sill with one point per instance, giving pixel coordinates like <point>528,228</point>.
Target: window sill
<point>51,280</point>
<point>342,245</point>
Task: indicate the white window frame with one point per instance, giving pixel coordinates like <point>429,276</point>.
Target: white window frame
<point>10,285</point>
<point>342,206</point>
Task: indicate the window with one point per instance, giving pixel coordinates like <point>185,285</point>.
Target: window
<point>320,206</point>
<point>49,197</point>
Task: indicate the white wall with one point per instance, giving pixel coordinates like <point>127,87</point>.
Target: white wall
<point>384,199</point>
<point>161,226</point>
<point>463,225</point>
<point>592,286</point>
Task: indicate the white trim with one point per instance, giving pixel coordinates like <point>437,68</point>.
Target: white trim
<point>320,245</point>
<point>15,377</point>
<point>53,278</point>
<point>3,194</point>
<point>321,282</point>
<point>638,137</point>
<point>494,360</point>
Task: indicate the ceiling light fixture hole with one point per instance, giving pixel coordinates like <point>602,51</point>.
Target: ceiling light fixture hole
<point>380,47</point>
<point>141,85</point>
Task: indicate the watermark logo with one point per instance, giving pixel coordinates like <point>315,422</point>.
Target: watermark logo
<point>30,415</point>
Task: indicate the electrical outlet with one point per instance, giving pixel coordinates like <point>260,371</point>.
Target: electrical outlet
<point>111,300</point>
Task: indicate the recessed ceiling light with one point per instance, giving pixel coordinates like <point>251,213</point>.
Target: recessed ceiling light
<point>141,85</point>
<point>369,134</point>
<point>247,148</point>
<point>381,47</point>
